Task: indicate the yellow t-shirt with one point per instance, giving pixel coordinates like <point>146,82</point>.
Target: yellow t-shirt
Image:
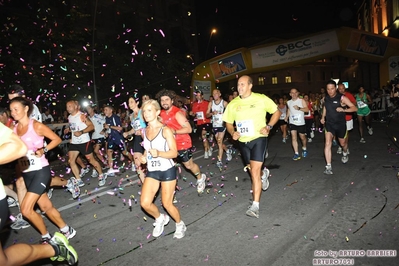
<point>249,114</point>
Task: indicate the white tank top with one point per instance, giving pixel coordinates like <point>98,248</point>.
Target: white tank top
<point>159,143</point>
<point>76,124</point>
<point>296,117</point>
<point>217,120</point>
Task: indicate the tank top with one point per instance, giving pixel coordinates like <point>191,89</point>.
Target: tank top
<point>331,104</point>
<point>296,117</point>
<point>34,142</point>
<point>183,141</point>
<point>98,122</point>
<point>159,143</point>
<point>76,124</point>
<point>283,112</point>
<point>137,123</point>
<point>217,119</point>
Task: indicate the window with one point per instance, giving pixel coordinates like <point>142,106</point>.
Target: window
<point>274,80</point>
<point>261,80</point>
<point>288,79</point>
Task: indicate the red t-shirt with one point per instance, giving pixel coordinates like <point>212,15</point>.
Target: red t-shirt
<point>200,108</point>
<point>183,141</point>
<point>351,98</point>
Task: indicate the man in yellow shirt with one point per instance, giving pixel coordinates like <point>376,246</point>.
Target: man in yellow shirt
<point>248,112</point>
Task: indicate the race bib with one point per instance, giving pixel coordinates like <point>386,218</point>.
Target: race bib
<point>282,116</point>
<point>295,118</point>
<point>361,104</point>
<point>136,124</point>
<point>154,164</point>
<point>30,162</point>
<point>217,120</point>
<point>245,128</point>
<point>200,115</point>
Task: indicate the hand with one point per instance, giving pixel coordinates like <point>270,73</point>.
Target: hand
<point>265,131</point>
<point>142,159</point>
<point>236,135</point>
<point>154,153</point>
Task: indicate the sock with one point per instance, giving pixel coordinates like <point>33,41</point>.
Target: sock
<point>65,229</point>
<point>47,235</point>
<point>328,165</point>
<point>180,223</point>
<point>160,218</point>
<point>255,204</point>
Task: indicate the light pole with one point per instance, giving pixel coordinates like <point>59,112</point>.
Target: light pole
<point>213,31</point>
<point>92,55</point>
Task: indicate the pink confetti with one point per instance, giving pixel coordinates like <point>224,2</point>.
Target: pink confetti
<point>149,235</point>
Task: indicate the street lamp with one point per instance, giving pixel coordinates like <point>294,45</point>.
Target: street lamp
<point>209,42</point>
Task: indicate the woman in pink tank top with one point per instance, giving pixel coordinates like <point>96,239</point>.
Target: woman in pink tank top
<point>35,169</point>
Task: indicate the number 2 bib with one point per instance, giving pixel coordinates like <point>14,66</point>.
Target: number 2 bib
<point>30,162</point>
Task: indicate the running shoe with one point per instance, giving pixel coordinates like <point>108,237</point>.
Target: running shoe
<point>334,142</point>
<point>296,157</point>
<point>84,171</point>
<point>70,234</point>
<point>362,140</point>
<point>310,140</point>
<point>45,240</point>
<point>50,193</point>
<point>206,155</point>
<point>180,230</point>
<point>328,170</point>
<point>229,155</point>
<point>265,179</point>
<point>159,225</point>
<point>12,202</point>
<point>111,172</point>
<point>284,140</point>
<point>73,187</point>
<point>102,179</point>
<point>253,212</point>
<point>201,184</point>
<point>370,130</point>
<point>219,164</point>
<point>304,153</point>
<point>94,173</point>
<point>19,223</point>
<point>64,251</point>
<point>339,151</point>
<point>345,158</point>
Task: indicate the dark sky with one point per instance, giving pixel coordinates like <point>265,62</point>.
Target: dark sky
<point>250,22</point>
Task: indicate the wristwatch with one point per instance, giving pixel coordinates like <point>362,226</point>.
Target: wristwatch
<point>45,150</point>
<point>269,126</point>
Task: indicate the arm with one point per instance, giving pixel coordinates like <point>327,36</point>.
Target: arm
<point>186,127</point>
<point>304,109</point>
<point>209,110</point>
<point>230,128</point>
<point>12,149</point>
<point>273,120</point>
<point>287,115</point>
<point>351,107</point>
<point>323,116</point>
<point>45,131</point>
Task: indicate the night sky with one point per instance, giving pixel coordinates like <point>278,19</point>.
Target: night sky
<point>250,22</point>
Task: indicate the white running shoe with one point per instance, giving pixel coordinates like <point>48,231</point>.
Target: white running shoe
<point>19,223</point>
<point>102,179</point>
<point>229,155</point>
<point>94,173</point>
<point>84,171</point>
<point>180,230</point>
<point>339,151</point>
<point>159,225</point>
<point>265,179</point>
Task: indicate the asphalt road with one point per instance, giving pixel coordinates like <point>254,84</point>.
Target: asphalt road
<point>305,216</point>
